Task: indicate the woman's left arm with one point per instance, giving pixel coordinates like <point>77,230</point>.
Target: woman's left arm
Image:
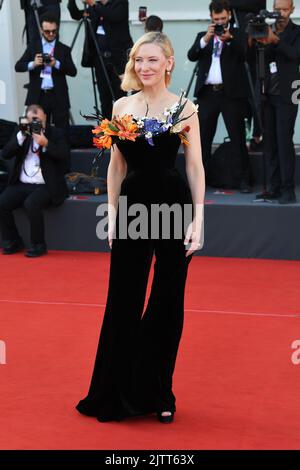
<point>196,178</point>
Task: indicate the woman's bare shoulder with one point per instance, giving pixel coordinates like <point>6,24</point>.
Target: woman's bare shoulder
<point>190,106</point>
<point>123,104</point>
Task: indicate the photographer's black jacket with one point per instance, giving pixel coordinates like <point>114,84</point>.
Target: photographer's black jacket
<point>67,67</point>
<point>232,64</point>
<point>115,15</point>
<point>286,54</point>
<point>54,162</point>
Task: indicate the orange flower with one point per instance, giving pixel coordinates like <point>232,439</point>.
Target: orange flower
<point>123,128</point>
<point>104,141</point>
<point>183,139</point>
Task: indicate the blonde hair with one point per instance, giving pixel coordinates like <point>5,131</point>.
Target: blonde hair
<point>131,80</point>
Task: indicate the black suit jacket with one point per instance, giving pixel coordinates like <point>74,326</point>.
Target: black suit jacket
<point>26,3</point>
<point>115,16</point>
<point>232,64</point>
<point>286,54</point>
<point>54,162</point>
<point>67,67</point>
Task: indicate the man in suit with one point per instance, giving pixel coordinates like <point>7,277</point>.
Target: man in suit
<point>36,180</point>
<point>43,6</point>
<point>282,54</point>
<point>109,20</point>
<point>221,86</point>
<point>47,74</point>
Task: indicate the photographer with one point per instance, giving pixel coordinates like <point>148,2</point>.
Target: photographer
<point>221,86</point>
<point>48,63</point>
<point>282,57</point>
<point>109,20</point>
<point>43,6</point>
<point>36,180</point>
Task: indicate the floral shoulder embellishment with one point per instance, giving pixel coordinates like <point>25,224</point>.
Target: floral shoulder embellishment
<point>172,122</point>
<point>109,132</point>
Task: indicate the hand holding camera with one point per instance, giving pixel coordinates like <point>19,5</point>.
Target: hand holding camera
<point>44,59</point>
<point>272,38</point>
<point>142,14</point>
<point>38,60</point>
<point>226,35</point>
<point>40,139</point>
<point>33,128</point>
<point>210,33</point>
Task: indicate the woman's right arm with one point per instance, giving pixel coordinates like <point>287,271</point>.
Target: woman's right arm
<point>116,172</point>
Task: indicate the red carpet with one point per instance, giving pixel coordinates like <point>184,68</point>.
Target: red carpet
<point>235,383</point>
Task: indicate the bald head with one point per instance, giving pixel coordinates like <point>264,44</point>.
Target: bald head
<point>283,4</point>
<point>285,8</point>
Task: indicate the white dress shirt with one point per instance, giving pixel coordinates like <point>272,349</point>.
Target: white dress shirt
<point>31,169</point>
<point>46,73</point>
<point>215,73</point>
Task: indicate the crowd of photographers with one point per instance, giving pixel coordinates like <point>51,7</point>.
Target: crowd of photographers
<point>229,82</point>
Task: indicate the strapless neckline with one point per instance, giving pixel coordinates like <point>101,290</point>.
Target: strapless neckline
<point>171,110</point>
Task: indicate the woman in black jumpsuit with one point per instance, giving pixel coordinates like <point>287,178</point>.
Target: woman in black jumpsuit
<point>137,352</point>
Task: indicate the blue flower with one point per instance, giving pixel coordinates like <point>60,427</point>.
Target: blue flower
<point>153,127</point>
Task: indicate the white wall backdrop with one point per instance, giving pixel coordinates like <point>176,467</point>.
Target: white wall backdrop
<point>182,19</point>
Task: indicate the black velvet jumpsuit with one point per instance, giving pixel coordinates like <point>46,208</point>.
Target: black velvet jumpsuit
<point>137,352</point>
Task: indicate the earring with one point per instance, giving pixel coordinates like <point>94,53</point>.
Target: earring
<point>168,72</point>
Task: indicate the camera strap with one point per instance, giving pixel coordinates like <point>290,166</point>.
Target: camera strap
<point>35,149</point>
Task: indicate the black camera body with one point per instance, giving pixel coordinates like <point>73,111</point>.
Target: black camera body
<point>33,127</point>
<point>47,58</point>
<point>219,29</point>
<point>257,27</point>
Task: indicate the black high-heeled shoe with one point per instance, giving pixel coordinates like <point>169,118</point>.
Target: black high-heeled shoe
<point>166,419</point>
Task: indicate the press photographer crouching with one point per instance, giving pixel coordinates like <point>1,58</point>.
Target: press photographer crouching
<point>36,181</point>
<point>282,57</point>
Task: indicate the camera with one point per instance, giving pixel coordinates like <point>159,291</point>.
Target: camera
<point>257,27</point>
<point>33,127</point>
<point>142,13</point>
<point>46,58</point>
<point>219,29</point>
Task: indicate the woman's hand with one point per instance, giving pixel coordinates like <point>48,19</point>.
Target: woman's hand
<point>194,237</point>
<point>110,238</point>
<point>111,232</point>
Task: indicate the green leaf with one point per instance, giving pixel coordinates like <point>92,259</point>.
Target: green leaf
<point>113,128</point>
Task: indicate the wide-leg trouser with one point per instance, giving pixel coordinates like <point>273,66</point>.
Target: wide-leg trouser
<point>136,355</point>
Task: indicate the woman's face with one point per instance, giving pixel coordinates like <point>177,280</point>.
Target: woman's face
<point>151,64</point>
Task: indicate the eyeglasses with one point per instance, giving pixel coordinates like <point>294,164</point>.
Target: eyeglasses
<point>50,31</point>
